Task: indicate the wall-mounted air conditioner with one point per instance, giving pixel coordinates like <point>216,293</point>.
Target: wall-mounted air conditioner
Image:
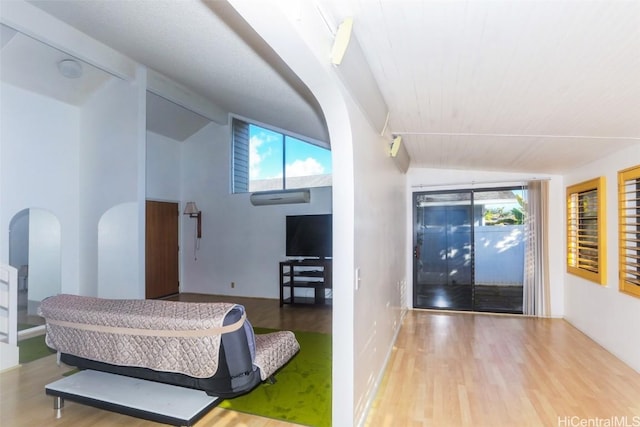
<point>280,197</point>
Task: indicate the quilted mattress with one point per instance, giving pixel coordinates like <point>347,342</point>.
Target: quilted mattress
<point>168,336</point>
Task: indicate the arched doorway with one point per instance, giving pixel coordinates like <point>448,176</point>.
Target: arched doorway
<point>34,250</point>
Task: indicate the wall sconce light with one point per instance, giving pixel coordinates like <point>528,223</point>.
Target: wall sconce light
<point>192,210</point>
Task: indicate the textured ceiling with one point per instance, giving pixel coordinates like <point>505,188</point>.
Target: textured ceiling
<point>32,65</point>
<point>494,85</point>
<point>189,43</point>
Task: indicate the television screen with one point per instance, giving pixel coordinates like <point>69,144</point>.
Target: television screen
<point>309,236</point>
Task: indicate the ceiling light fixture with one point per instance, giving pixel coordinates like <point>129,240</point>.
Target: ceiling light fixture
<point>70,68</point>
<point>341,41</point>
<point>395,145</point>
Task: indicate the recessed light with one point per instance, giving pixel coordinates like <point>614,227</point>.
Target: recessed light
<point>70,68</point>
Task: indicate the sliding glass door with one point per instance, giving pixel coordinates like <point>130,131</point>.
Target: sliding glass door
<point>469,249</point>
<point>443,267</point>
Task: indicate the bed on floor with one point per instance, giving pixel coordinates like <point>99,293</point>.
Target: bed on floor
<point>202,346</point>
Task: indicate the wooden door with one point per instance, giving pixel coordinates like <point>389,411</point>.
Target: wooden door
<point>161,249</point>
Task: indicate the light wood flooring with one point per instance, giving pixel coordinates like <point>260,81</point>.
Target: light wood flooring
<point>446,369</point>
<point>467,369</point>
<point>23,402</point>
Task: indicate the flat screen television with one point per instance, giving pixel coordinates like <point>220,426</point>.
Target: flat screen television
<point>309,236</point>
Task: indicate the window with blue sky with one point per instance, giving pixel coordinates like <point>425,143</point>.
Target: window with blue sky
<point>265,159</point>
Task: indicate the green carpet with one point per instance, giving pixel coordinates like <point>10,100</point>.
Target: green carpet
<point>33,348</point>
<point>302,392</point>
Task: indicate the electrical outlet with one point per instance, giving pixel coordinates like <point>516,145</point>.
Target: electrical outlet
<point>233,285</point>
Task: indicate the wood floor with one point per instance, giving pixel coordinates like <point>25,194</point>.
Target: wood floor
<point>446,370</point>
<point>23,402</point>
<point>466,369</point>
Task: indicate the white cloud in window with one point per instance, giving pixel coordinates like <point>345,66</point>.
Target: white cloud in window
<point>255,156</point>
<point>307,167</point>
<point>264,156</point>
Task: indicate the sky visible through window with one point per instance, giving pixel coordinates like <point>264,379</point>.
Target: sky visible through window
<point>267,156</point>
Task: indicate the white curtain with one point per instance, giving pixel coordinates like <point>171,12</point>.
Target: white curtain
<point>536,275</point>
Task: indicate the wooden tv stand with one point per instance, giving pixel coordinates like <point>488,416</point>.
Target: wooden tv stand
<point>307,273</point>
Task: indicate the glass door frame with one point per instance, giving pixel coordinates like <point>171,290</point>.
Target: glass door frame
<point>416,246</point>
<point>509,305</point>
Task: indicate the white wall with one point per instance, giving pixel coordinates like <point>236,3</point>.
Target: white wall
<point>44,256</point>
<point>380,257</point>
<point>163,168</point>
<point>108,177</point>
<point>601,311</point>
<point>39,141</point>
<point>118,253</point>
<point>240,243</point>
<point>368,210</point>
<point>425,179</point>
<point>499,254</point>
<point>77,162</point>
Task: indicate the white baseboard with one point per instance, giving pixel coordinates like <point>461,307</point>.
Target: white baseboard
<point>9,356</point>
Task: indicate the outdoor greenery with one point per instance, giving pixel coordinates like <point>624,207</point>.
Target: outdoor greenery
<point>501,216</point>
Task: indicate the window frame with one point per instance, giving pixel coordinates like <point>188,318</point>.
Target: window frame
<point>575,262</point>
<point>237,162</point>
<point>626,260</point>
